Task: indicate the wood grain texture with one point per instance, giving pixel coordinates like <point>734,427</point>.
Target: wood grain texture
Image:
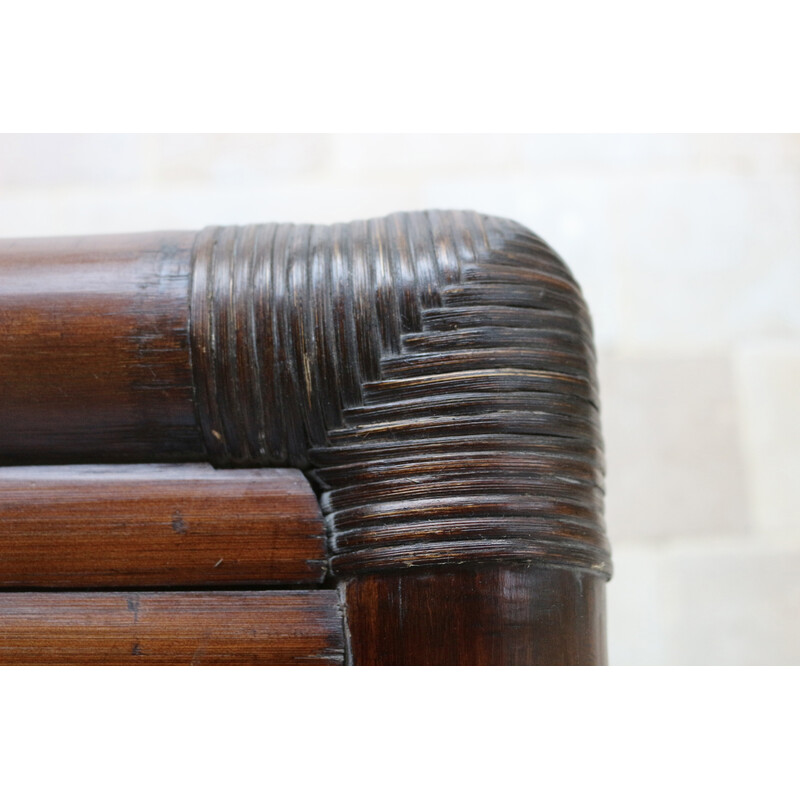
<point>171,628</point>
<point>94,356</point>
<point>490,614</point>
<point>156,525</point>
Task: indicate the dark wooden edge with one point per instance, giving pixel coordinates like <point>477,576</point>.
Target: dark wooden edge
<point>482,614</point>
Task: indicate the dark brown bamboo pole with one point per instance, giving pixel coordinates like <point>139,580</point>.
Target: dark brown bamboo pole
<point>94,350</point>
<point>171,628</point>
<point>158,525</point>
<point>433,373</point>
<point>510,614</point>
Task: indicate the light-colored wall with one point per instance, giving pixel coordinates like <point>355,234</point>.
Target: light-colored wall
<point>688,250</point>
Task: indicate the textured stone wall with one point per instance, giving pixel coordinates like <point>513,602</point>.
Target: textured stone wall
<point>688,251</point>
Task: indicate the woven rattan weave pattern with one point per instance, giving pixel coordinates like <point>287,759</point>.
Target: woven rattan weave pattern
<point>434,372</point>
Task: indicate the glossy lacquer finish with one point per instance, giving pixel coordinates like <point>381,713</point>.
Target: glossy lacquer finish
<point>94,355</point>
<point>158,525</point>
<point>181,628</point>
<point>433,374</point>
<point>511,615</point>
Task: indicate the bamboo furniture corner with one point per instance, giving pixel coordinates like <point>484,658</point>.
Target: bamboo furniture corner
<point>368,443</point>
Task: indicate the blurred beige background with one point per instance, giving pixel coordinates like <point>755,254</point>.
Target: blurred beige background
<point>688,250</point>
